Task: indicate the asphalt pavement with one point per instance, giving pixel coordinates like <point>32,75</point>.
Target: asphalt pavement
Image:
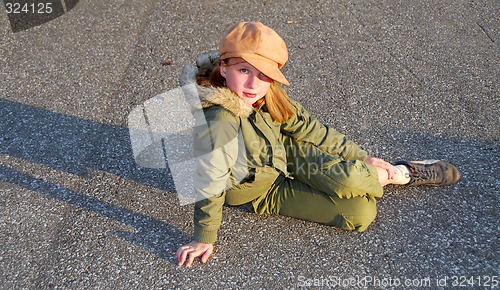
<point>404,79</point>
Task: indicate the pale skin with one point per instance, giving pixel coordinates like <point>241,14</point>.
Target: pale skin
<point>250,85</point>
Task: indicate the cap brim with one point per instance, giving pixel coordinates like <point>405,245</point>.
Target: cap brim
<point>269,69</point>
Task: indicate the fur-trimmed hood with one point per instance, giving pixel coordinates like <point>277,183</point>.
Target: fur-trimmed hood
<point>212,96</point>
<point>225,98</point>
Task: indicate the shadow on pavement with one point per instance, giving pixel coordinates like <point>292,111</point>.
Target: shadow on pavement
<point>73,145</point>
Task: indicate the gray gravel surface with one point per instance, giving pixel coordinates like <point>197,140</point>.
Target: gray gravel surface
<point>404,79</point>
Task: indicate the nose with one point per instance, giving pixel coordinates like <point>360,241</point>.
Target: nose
<point>252,82</point>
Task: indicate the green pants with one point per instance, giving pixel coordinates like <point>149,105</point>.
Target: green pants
<point>323,188</point>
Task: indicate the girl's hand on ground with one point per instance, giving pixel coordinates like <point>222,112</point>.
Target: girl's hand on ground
<point>377,162</point>
<point>187,253</point>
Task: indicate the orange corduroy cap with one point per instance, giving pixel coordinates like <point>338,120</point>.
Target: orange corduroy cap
<point>259,45</point>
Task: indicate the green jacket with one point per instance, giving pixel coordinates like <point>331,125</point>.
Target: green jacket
<point>240,154</point>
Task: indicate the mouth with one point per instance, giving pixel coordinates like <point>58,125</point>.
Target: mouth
<point>250,95</point>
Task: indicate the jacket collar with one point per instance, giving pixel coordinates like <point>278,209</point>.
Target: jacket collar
<point>225,98</point>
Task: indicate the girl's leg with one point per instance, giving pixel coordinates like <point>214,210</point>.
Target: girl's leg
<point>291,197</point>
<point>388,173</point>
<point>383,177</point>
<point>330,174</point>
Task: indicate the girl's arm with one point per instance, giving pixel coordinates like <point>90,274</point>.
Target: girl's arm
<point>302,126</point>
<point>216,151</point>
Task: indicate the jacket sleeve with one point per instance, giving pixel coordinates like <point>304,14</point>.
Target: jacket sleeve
<point>216,150</point>
<point>302,126</point>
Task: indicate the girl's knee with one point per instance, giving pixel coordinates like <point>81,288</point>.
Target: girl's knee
<point>364,221</point>
<point>357,217</point>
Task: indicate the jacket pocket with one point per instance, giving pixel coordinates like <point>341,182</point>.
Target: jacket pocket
<point>257,183</point>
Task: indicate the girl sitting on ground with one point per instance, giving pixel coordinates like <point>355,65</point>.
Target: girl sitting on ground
<point>295,166</point>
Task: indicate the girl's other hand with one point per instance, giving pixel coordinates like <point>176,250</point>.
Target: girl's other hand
<point>187,253</point>
<point>377,162</point>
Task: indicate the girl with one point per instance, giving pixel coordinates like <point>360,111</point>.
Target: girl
<point>295,166</point>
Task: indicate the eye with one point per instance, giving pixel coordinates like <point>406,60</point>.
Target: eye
<point>244,70</point>
<point>264,77</point>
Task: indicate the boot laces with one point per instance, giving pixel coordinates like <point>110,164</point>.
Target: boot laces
<point>425,173</point>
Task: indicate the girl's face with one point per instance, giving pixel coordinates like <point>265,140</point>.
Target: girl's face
<point>245,80</point>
